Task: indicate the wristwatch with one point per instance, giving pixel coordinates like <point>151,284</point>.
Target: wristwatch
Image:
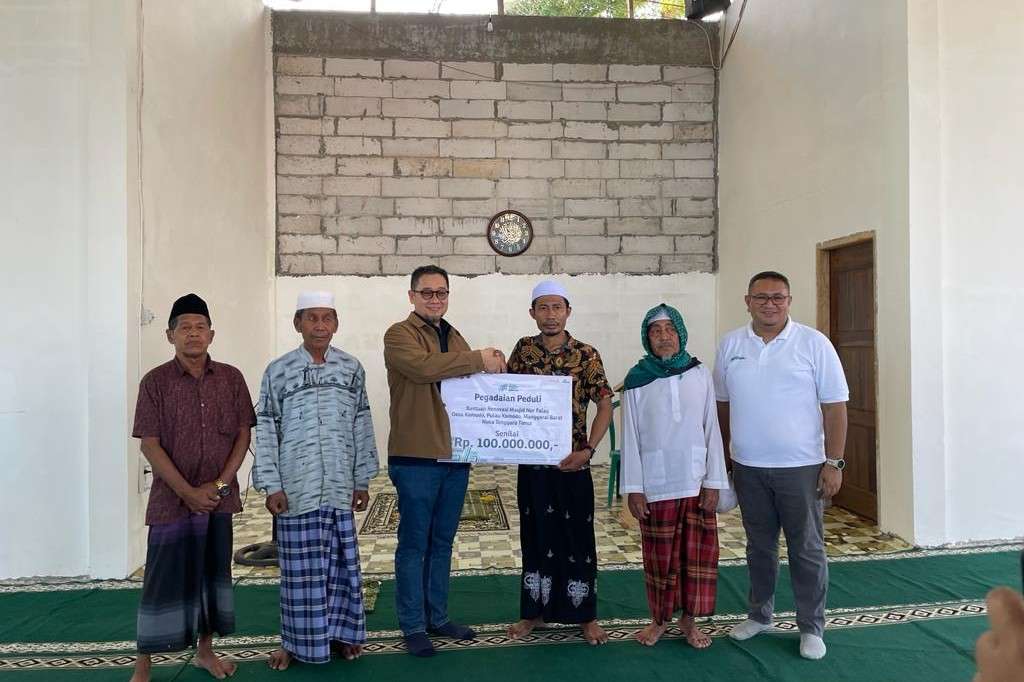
<point>223,489</point>
<point>839,464</point>
<point>589,447</point>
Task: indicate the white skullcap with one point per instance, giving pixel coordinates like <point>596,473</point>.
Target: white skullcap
<point>549,287</point>
<point>659,317</point>
<point>315,299</point>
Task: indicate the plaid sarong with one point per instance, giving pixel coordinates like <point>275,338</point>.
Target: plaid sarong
<point>680,545</point>
<point>321,586</point>
<point>186,590</point>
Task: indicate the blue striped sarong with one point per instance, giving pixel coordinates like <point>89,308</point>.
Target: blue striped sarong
<point>321,586</point>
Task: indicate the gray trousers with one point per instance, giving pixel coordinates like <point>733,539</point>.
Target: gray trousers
<point>771,499</point>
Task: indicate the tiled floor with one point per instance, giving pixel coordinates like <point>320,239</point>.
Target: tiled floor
<point>617,542</point>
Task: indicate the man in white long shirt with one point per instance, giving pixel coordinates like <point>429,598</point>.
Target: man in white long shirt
<point>673,466</point>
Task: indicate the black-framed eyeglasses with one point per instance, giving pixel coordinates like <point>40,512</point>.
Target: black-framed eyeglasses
<point>764,299</point>
<point>427,294</point>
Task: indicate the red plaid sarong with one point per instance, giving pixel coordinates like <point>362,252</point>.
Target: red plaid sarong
<point>680,543</point>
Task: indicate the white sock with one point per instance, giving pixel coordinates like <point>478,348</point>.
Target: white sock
<point>812,646</point>
<point>748,629</point>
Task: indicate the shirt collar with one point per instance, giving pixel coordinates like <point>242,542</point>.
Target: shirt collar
<point>569,344</point>
<point>309,358</point>
<point>206,370</point>
<point>419,321</point>
<point>784,334</point>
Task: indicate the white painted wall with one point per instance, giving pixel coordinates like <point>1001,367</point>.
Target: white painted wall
<point>493,311</point>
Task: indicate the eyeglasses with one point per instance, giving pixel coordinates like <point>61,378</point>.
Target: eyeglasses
<point>427,294</point>
<point>764,299</point>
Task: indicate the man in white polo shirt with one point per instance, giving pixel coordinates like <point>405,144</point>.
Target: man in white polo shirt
<point>782,403</point>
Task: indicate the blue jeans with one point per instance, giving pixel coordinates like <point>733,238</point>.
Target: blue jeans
<point>430,498</point>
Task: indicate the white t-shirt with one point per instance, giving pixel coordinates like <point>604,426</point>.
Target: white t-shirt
<point>671,443</point>
<point>774,392</point>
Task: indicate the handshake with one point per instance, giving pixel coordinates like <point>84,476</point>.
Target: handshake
<point>494,360</point>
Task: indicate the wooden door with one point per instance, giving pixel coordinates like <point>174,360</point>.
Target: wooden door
<point>852,331</point>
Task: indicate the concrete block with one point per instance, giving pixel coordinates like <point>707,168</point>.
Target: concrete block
<point>634,265</point>
<point>474,208</point>
<point>298,144</point>
<point>352,225</point>
<point>577,189</point>
<point>547,245</point>
<point>535,168</point>
<point>469,225</point>
<point>353,67</point>
<point>420,89</point>
<point>479,129</point>
<point>353,106</point>
<point>422,127</point>
<point>480,168</point>
<point>351,265</point>
<point>365,165</point>
<point>631,73</point>
<point>352,146</point>
<point>596,245</point>
<point>371,127</point>
<point>410,226</point>
<point>699,226</point>
<point>633,150</point>
<point>580,72</point>
<point>526,72</point>
<point>693,208</point>
<point>299,224</point>
<point>362,87</point>
<point>467,148</point>
<point>580,111</point>
<point>536,208</point>
<point>409,187</point>
<point>300,265</point>
<point>621,189</point>
<point>591,208</point>
<point>404,68</point>
<point>305,85</point>
<point>299,66</point>
<point>525,111</point>
<point>693,92</point>
<point>579,130</point>
<point>588,92</point>
<point>299,126</point>
<point>652,131</point>
<point>690,74</point>
<point>691,132</point>
<point>365,206</point>
<point>688,150</point>
<point>644,206</point>
<point>404,265</point>
<point>645,93</point>
<point>302,205</point>
<point>696,187</point>
<point>466,188</point>
<point>468,70</point>
<point>423,207</point>
<point>633,226</point>
<point>541,131</point>
<point>424,167</point>
<point>576,226</point>
<point>409,108</point>
<point>524,265</point>
<point>592,169</point>
<point>579,150</point>
<point>578,265</point>
<point>524,149</point>
<point>425,246</point>
<point>659,244</point>
<point>687,263</point>
<point>468,265</point>
<point>518,187</point>
<point>352,186</point>
<point>472,246</point>
<point>304,165</point>
<point>467,108</point>
<point>288,184</point>
<point>299,105</point>
<point>634,112</point>
<point>410,147</point>
<point>551,92</point>
<point>688,111</point>
<point>478,89</point>
<point>695,244</point>
<point>305,243</point>
<point>647,169</point>
<point>366,245</point>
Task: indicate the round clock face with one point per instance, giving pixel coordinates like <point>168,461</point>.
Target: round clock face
<point>510,233</point>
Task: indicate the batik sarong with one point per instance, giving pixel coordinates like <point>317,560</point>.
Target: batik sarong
<point>556,532</point>
<point>321,586</point>
<point>680,546</point>
<point>186,591</point>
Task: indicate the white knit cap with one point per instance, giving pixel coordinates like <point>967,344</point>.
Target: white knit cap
<point>315,299</point>
<point>549,287</point>
<point>659,317</point>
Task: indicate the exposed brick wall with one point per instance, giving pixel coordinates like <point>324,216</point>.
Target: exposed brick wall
<point>384,164</point>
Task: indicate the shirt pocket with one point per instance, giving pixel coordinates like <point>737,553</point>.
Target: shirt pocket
<point>654,468</point>
<point>227,422</point>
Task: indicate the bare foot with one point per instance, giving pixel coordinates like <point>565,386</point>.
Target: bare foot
<point>524,627</point>
<point>351,652</point>
<point>594,633</point>
<point>650,635</point>
<point>142,668</point>
<point>694,636</point>
<point>279,660</point>
<point>218,669</point>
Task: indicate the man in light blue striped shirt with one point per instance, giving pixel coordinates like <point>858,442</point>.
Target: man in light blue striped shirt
<point>315,456</point>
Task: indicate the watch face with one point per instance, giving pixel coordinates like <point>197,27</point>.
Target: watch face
<point>225,491</point>
<point>509,233</point>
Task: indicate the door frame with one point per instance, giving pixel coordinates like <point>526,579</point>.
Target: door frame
<point>824,320</point>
